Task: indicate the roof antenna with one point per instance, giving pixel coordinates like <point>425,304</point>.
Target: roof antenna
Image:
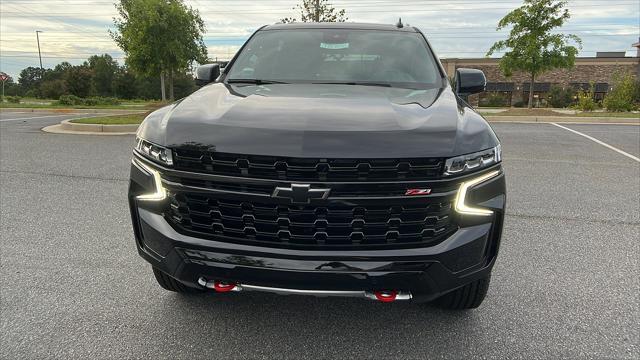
<point>399,24</point>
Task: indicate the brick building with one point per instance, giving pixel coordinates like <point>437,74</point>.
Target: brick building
<point>515,89</point>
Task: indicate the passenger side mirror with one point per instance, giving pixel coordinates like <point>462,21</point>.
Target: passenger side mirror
<point>206,74</point>
<point>470,81</point>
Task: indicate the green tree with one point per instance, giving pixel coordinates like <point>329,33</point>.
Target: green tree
<point>317,11</point>
<point>53,89</point>
<point>159,37</point>
<point>103,69</point>
<point>532,46</point>
<point>124,83</point>
<point>30,79</point>
<point>78,80</point>
<point>58,72</point>
<point>621,97</point>
<point>11,88</point>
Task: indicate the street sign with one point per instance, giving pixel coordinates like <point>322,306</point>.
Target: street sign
<point>3,77</point>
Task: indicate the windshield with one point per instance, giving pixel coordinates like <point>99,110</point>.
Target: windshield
<point>385,58</point>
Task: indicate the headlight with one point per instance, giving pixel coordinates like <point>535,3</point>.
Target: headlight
<point>159,193</point>
<point>460,205</point>
<point>472,162</point>
<point>154,152</point>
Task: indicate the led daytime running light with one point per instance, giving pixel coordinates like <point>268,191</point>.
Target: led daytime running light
<point>160,193</point>
<point>460,205</point>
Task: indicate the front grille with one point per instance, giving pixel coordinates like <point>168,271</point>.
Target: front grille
<point>307,169</point>
<point>270,223</point>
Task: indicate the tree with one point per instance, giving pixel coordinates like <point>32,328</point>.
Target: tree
<point>78,79</point>
<point>30,78</point>
<point>124,83</point>
<point>159,37</point>
<point>57,73</point>
<point>11,88</point>
<point>53,89</point>
<point>317,11</point>
<point>533,48</point>
<point>103,69</point>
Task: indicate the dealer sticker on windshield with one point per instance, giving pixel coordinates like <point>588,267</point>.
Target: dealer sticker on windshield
<point>334,46</point>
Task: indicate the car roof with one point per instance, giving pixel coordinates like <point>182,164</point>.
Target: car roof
<point>339,25</point>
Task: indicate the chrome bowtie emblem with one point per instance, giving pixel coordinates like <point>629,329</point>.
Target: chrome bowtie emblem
<point>300,193</point>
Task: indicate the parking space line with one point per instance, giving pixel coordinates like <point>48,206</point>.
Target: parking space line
<point>599,142</point>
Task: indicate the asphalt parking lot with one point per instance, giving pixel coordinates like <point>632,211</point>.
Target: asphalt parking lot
<point>566,284</point>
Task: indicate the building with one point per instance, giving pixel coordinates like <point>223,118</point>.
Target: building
<point>514,90</point>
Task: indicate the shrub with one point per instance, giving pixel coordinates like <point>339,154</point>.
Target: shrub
<point>621,97</point>
<point>586,101</point>
<point>559,97</point>
<point>101,100</point>
<point>31,93</point>
<point>89,102</point>
<point>494,99</point>
<point>53,89</point>
<point>519,104</point>
<point>13,99</point>
<point>70,100</point>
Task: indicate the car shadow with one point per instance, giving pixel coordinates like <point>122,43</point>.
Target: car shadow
<point>252,317</point>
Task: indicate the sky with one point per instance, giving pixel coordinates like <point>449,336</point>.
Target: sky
<point>73,30</point>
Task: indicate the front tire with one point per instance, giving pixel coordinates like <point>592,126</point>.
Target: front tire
<point>168,283</point>
<point>469,296</point>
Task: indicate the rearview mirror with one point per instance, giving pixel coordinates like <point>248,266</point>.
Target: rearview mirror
<point>470,81</point>
<point>206,74</point>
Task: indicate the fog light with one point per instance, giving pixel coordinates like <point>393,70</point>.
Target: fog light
<point>463,208</point>
<point>160,193</point>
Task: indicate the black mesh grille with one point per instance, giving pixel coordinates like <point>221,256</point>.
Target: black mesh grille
<point>308,169</point>
<point>337,224</point>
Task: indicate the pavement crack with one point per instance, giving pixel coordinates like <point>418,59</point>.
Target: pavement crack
<point>64,175</point>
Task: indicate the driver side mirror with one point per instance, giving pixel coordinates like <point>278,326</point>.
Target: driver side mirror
<point>206,74</point>
<point>470,81</point>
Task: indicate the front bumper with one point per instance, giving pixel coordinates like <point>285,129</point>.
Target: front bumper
<point>424,273</point>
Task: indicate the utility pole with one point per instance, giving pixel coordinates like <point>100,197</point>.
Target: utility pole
<point>317,14</point>
<point>39,54</point>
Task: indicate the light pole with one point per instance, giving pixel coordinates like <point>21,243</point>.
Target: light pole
<point>39,54</point>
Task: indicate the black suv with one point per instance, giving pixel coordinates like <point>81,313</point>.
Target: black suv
<point>327,160</point>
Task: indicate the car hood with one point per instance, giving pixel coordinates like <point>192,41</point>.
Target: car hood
<point>321,121</point>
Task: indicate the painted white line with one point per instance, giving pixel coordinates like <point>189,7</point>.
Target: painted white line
<point>564,122</point>
<point>599,142</point>
<point>36,117</point>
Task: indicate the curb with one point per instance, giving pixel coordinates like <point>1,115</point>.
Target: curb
<point>58,129</point>
<point>68,125</point>
<point>564,119</point>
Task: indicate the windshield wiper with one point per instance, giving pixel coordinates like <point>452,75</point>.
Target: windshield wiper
<point>254,81</point>
<point>363,83</point>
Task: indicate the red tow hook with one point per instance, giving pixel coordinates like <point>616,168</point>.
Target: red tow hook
<point>386,296</point>
<point>223,287</point>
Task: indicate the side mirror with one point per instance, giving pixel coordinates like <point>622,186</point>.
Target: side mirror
<point>206,74</point>
<point>470,81</point>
